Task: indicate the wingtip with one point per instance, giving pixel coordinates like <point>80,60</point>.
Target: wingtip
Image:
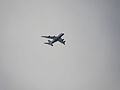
<point>42,36</point>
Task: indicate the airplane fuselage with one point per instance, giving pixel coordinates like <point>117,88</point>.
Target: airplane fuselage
<point>57,38</point>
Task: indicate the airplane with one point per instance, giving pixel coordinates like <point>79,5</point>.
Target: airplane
<point>54,39</point>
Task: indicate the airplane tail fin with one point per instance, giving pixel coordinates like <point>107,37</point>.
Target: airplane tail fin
<point>49,43</point>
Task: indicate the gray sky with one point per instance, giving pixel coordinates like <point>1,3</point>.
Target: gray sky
<point>90,60</point>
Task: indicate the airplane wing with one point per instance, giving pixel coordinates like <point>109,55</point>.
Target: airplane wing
<point>61,41</point>
<point>50,37</point>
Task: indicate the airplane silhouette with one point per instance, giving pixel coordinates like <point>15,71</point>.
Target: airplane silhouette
<point>54,39</point>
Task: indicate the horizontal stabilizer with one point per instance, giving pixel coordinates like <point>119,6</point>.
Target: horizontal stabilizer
<point>64,42</point>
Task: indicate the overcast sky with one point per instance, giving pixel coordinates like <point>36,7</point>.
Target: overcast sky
<point>90,60</point>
